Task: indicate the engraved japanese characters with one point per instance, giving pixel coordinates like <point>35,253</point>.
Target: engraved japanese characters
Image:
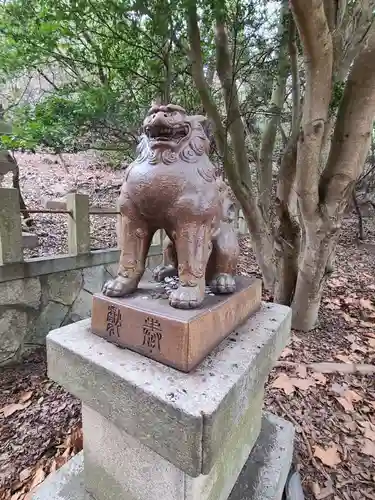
<point>171,186</point>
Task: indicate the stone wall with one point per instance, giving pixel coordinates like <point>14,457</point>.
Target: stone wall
<point>49,293</point>
<point>41,294</point>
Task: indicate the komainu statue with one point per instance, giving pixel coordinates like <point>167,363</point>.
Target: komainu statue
<point>171,186</point>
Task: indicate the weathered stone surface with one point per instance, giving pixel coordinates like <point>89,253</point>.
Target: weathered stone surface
<point>94,278</point>
<point>78,223</point>
<point>230,458</point>
<point>41,266</point>
<point>265,472</point>
<point>13,324</point>
<point>29,240</point>
<point>34,285</point>
<point>125,466</point>
<point>116,464</point>
<point>65,484</point>
<point>10,227</point>
<point>262,478</point>
<point>153,261</point>
<point>52,316</point>
<point>63,287</point>
<point>81,308</point>
<point>21,292</point>
<point>54,204</point>
<point>134,392</point>
<point>112,269</point>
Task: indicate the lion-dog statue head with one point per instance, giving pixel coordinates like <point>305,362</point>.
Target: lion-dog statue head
<point>170,134</point>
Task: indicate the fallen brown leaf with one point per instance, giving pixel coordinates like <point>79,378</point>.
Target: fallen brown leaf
<point>301,371</point>
<point>369,434</point>
<point>348,318</point>
<point>352,396</point>
<point>77,438</point>
<point>343,358</point>
<point>286,352</point>
<point>332,307</point>
<point>329,457</point>
<point>38,478</point>
<point>356,347</point>
<point>320,378</point>
<point>283,382</point>
<point>17,496</point>
<point>12,408</point>
<point>25,474</point>
<point>60,461</point>
<point>368,447</point>
<point>303,383</point>
<point>366,304</point>
<point>347,405</point>
<point>325,492</point>
<point>315,488</point>
<point>26,396</point>
<point>367,324</point>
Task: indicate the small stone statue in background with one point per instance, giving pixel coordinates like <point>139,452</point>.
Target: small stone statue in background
<point>171,186</point>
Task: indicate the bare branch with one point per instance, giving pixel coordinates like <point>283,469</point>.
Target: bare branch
<point>275,107</point>
<point>296,88</point>
<point>195,56</point>
<point>234,120</point>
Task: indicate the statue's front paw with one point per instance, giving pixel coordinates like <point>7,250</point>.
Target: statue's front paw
<point>161,272</point>
<point>223,283</point>
<point>120,286</point>
<point>186,297</point>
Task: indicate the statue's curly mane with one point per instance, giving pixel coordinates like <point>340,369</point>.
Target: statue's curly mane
<point>190,151</point>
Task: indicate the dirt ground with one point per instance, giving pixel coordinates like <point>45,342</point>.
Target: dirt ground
<point>334,413</point>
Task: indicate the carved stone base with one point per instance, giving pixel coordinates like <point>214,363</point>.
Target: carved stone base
<point>262,478</point>
<point>146,323</point>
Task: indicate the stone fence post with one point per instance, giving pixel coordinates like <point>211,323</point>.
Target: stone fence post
<point>78,223</point>
<point>10,227</point>
<point>242,224</point>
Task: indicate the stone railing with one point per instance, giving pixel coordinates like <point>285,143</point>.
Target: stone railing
<point>40,294</point>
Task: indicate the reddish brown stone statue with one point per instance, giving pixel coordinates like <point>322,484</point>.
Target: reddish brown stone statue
<point>171,186</point>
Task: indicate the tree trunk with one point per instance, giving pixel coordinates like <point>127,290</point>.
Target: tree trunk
<point>288,232</point>
<point>261,238</point>
<point>312,274</point>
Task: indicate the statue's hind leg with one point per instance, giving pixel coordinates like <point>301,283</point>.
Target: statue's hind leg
<point>221,269</point>
<point>170,264</point>
<point>135,238</point>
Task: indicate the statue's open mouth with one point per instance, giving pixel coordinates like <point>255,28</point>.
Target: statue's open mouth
<point>160,133</point>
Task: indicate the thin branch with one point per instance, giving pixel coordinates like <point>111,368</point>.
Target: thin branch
<point>47,79</point>
<point>14,105</point>
<point>195,56</point>
<point>296,89</point>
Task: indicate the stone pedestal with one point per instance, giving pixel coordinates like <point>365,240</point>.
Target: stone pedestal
<point>262,478</point>
<point>151,431</point>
